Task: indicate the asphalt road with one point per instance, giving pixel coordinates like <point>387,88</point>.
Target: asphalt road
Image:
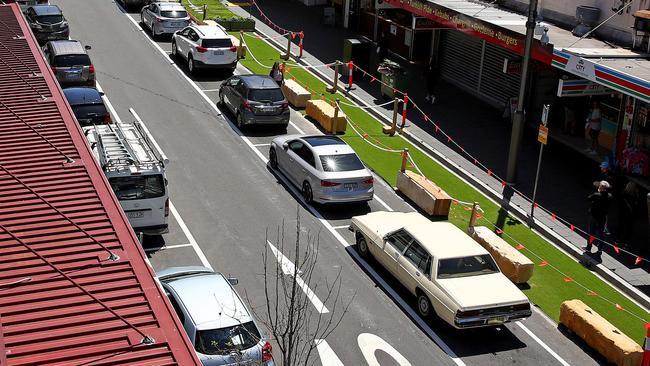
<point>227,202</point>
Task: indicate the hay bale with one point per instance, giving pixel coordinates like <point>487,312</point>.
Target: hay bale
<point>323,112</point>
<point>295,93</point>
<point>600,334</point>
<point>514,265</point>
<point>424,193</point>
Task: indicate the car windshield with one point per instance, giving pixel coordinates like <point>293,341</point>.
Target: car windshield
<point>341,163</point>
<point>84,111</point>
<point>466,266</point>
<point>226,340</point>
<point>49,19</point>
<point>138,187</point>
<point>173,14</point>
<point>216,43</point>
<point>265,95</point>
<point>71,60</point>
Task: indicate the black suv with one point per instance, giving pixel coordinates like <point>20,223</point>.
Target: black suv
<point>47,23</point>
<point>87,105</point>
<point>255,99</point>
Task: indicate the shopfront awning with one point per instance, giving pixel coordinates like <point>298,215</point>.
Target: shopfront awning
<point>622,70</point>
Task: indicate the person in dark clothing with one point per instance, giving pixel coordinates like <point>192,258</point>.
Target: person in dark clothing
<point>431,76</point>
<point>600,202</point>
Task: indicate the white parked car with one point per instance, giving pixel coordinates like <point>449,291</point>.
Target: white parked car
<point>325,168</point>
<point>450,274</point>
<point>205,46</point>
<point>164,17</point>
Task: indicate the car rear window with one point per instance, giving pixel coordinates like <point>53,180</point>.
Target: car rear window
<point>173,14</point>
<point>216,43</point>
<point>86,111</point>
<point>341,163</point>
<point>266,95</point>
<point>71,60</point>
<point>49,19</point>
<point>138,187</point>
<point>227,340</point>
<point>466,266</point>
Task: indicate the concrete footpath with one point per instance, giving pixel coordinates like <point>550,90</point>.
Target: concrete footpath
<point>561,173</point>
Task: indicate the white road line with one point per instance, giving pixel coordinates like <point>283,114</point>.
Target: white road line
<point>381,202</point>
<point>108,103</point>
<point>210,90</point>
<point>340,227</point>
<point>289,269</point>
<point>544,345</point>
<point>262,145</point>
<point>165,247</point>
<point>326,354</point>
<point>326,224</point>
<point>189,236</point>
<point>300,131</point>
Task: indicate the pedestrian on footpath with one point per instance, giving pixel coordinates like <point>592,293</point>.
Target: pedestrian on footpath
<point>600,202</point>
<point>593,126</point>
<point>431,78</point>
<point>277,73</point>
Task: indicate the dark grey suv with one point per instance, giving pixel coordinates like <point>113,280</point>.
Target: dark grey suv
<point>47,23</point>
<point>255,99</point>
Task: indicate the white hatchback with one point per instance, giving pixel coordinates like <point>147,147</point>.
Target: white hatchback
<point>205,46</point>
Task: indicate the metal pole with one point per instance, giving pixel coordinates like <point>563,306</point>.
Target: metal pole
<point>539,164</point>
<point>518,120</point>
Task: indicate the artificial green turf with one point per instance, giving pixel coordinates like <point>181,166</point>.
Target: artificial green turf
<point>547,288</point>
<point>215,9</point>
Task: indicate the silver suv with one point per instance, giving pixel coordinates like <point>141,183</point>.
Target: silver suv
<point>70,62</point>
<point>219,325</point>
<point>255,99</point>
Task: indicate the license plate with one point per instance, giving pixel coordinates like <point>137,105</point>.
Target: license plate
<point>135,214</point>
<point>350,186</point>
<point>218,52</point>
<point>498,320</point>
<point>176,24</point>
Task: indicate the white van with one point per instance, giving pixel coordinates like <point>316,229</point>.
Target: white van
<point>135,167</point>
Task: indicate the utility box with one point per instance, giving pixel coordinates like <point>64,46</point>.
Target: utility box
<point>393,77</point>
<point>357,51</point>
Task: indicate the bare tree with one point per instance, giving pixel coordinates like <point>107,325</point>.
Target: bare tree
<point>289,315</point>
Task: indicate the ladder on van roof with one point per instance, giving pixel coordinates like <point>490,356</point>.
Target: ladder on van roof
<point>112,147</point>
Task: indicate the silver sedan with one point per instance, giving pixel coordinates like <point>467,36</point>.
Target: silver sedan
<point>325,168</point>
<point>164,18</point>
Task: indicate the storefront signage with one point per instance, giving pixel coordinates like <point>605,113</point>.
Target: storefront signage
<point>492,33</point>
<point>581,66</point>
<point>581,87</point>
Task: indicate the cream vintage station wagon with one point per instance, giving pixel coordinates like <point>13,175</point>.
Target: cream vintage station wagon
<point>451,275</point>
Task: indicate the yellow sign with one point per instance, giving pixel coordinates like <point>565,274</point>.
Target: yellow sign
<point>542,136</point>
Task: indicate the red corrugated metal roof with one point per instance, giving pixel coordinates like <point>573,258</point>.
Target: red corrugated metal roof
<point>75,287</point>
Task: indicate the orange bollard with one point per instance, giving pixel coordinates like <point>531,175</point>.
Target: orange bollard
<point>646,347</point>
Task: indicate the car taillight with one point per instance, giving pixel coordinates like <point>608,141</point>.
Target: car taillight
<point>107,119</point>
<point>326,183</point>
<point>167,207</point>
<point>200,49</point>
<point>267,352</point>
<point>247,106</point>
<point>54,69</point>
<point>370,180</point>
<point>158,20</point>
<point>91,69</point>
<point>285,106</point>
<point>233,48</point>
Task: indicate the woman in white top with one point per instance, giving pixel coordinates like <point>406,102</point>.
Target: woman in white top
<point>594,126</point>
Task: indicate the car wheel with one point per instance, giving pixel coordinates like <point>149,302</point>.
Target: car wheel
<point>424,305</point>
<point>362,246</point>
<point>142,20</point>
<point>190,64</point>
<point>273,159</point>
<point>220,101</point>
<point>240,121</point>
<point>307,193</point>
<point>174,49</point>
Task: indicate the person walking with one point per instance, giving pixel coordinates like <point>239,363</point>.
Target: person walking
<point>593,126</point>
<point>431,79</point>
<point>600,202</point>
<point>277,73</point>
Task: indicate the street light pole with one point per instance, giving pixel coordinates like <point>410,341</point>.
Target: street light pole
<point>518,120</point>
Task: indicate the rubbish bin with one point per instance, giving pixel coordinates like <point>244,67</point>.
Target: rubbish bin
<point>392,77</point>
<point>357,50</point>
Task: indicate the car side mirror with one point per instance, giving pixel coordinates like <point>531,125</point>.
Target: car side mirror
<point>233,281</point>
<point>285,145</point>
<point>87,47</point>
